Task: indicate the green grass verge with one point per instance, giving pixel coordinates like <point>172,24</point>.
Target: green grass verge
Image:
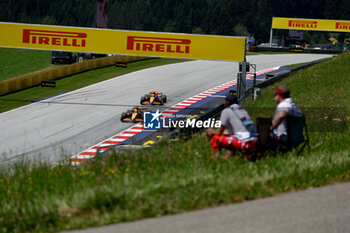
<point>70,83</point>
<point>14,62</point>
<point>152,183</point>
<point>173,177</point>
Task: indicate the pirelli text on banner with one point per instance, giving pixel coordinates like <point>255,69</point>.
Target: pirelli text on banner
<point>311,24</point>
<point>139,43</point>
<point>307,24</point>
<point>169,45</point>
<point>59,38</point>
<point>343,26</point>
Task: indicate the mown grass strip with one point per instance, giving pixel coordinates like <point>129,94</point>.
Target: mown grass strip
<point>14,62</point>
<point>173,177</point>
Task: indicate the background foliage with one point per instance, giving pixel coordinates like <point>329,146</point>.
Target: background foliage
<point>221,17</point>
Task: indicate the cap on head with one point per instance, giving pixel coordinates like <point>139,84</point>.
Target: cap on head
<point>283,91</point>
<point>231,99</point>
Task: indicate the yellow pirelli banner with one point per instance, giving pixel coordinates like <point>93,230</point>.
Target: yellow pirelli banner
<point>311,24</point>
<point>122,42</point>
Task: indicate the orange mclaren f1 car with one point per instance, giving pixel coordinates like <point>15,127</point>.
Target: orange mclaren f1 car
<point>153,98</point>
<point>133,115</point>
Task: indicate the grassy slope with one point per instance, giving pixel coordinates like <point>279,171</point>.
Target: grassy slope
<point>14,62</point>
<point>173,177</point>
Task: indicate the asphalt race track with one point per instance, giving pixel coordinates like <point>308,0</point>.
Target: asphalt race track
<point>69,123</point>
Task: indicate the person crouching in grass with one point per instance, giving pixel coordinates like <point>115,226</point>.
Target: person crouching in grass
<point>241,131</point>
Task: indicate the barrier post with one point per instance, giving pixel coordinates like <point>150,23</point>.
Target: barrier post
<point>271,34</point>
<point>241,81</point>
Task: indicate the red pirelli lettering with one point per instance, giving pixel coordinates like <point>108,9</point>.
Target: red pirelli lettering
<point>155,44</point>
<point>302,24</point>
<point>342,26</point>
<point>59,38</point>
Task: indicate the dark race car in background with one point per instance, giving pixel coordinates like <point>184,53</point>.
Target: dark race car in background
<point>60,57</point>
<point>88,56</point>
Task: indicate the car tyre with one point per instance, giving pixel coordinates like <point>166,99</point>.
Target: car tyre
<point>164,98</point>
<point>123,116</point>
<point>142,100</point>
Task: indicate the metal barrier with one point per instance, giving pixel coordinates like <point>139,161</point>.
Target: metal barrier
<point>305,50</point>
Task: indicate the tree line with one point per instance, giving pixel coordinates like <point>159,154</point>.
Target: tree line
<point>219,17</point>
